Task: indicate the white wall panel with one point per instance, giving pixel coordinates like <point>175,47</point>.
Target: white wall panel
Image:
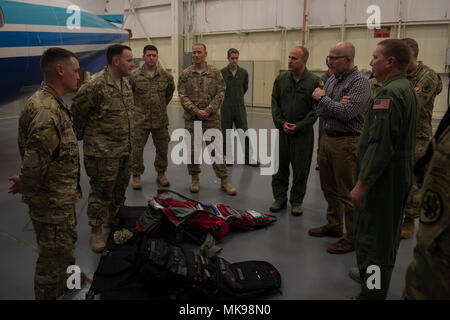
<point>241,15</point>
<point>218,16</point>
<point>259,14</point>
<point>325,12</point>
<point>290,13</point>
<point>356,11</point>
<point>157,22</point>
<point>229,15</point>
<point>415,10</point>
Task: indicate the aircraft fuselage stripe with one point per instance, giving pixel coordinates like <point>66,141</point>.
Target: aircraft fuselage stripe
<point>15,52</point>
<point>35,39</point>
<point>43,28</point>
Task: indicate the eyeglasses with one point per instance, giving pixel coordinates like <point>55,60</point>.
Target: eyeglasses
<point>333,58</point>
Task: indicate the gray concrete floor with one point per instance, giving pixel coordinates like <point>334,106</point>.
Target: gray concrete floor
<point>308,271</point>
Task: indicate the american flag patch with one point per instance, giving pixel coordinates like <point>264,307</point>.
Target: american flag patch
<point>381,104</point>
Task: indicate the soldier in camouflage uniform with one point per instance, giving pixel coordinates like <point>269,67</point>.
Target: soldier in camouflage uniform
<point>201,89</point>
<point>50,171</point>
<point>102,112</point>
<point>153,89</point>
<point>428,276</point>
<point>427,85</point>
<point>375,86</point>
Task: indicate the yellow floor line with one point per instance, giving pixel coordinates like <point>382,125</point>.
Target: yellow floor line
<point>26,245</point>
<point>25,228</point>
<point>82,208</point>
<point>10,117</point>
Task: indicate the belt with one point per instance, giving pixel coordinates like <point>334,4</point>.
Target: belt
<point>337,134</point>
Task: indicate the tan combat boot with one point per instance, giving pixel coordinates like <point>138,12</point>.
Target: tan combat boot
<point>354,274</point>
<point>297,210</point>
<point>226,186</point>
<point>195,185</point>
<point>407,228</point>
<point>162,180</point>
<point>137,184</point>
<point>96,239</point>
<point>277,206</point>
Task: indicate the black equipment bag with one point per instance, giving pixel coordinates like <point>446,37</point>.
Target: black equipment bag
<point>117,277</point>
<point>164,264</point>
<point>152,268</point>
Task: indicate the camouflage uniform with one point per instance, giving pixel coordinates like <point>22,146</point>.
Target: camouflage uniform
<point>49,175</point>
<point>151,97</point>
<point>375,87</point>
<point>428,276</point>
<point>427,85</point>
<point>103,119</point>
<point>203,91</point>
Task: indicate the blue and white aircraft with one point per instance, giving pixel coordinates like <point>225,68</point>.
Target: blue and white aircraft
<point>29,27</point>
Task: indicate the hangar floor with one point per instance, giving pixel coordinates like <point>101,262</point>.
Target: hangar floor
<point>308,271</point>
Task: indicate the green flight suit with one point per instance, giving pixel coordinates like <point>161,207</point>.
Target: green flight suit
<point>233,106</point>
<point>293,102</point>
<point>384,162</point>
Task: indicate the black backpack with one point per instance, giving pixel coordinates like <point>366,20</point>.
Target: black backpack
<point>151,268</point>
<point>192,275</point>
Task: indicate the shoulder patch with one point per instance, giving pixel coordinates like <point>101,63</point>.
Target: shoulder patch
<point>431,208</point>
<point>381,104</point>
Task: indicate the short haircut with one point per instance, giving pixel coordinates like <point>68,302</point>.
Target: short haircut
<point>115,50</point>
<point>200,44</point>
<point>151,48</point>
<point>304,51</point>
<point>55,55</point>
<point>399,50</point>
<point>413,45</point>
<point>231,51</point>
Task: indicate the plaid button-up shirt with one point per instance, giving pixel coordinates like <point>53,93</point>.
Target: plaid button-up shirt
<point>345,117</point>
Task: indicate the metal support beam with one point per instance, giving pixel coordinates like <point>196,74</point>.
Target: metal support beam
<point>177,39</point>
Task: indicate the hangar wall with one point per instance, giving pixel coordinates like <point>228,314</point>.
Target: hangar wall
<point>265,30</point>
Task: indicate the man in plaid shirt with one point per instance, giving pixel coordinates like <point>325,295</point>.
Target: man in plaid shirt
<point>342,104</point>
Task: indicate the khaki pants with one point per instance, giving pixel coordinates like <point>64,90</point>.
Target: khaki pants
<point>337,160</point>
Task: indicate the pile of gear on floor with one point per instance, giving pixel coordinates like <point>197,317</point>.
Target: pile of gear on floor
<point>153,254</point>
